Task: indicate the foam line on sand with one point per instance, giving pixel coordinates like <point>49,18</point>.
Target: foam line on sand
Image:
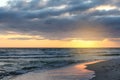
<point>73,72</point>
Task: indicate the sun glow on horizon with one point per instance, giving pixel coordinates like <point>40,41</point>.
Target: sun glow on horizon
<point>20,40</point>
<point>92,43</point>
<point>81,43</point>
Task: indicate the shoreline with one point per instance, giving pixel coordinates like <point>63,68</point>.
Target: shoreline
<point>106,70</point>
<point>73,72</point>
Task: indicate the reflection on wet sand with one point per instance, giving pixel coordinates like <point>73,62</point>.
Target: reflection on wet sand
<point>74,72</point>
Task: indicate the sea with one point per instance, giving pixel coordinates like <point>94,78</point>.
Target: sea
<point>19,61</point>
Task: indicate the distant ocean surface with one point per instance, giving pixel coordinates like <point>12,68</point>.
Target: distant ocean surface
<point>16,61</point>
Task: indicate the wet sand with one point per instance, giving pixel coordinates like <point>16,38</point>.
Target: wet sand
<point>73,72</point>
<point>107,70</point>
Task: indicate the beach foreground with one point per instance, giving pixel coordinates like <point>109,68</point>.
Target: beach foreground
<point>107,70</point>
<point>73,72</point>
<point>96,70</point>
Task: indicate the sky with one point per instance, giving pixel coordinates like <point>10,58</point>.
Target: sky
<point>60,23</point>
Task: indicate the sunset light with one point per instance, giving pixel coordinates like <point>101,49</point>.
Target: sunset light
<point>59,39</point>
<point>47,23</point>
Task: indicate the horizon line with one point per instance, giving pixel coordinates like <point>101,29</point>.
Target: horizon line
<point>55,47</point>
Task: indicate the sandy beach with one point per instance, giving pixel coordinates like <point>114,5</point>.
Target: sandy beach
<point>73,72</point>
<point>107,70</point>
<point>95,70</point>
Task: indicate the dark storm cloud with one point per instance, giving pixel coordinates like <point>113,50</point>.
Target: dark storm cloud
<point>60,19</point>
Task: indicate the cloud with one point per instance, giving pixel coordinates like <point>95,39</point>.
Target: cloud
<point>20,38</point>
<point>115,39</point>
<point>24,38</point>
<point>61,19</point>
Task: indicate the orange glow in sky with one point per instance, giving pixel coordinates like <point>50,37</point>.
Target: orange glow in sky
<point>92,43</point>
<point>82,24</point>
<point>35,41</point>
